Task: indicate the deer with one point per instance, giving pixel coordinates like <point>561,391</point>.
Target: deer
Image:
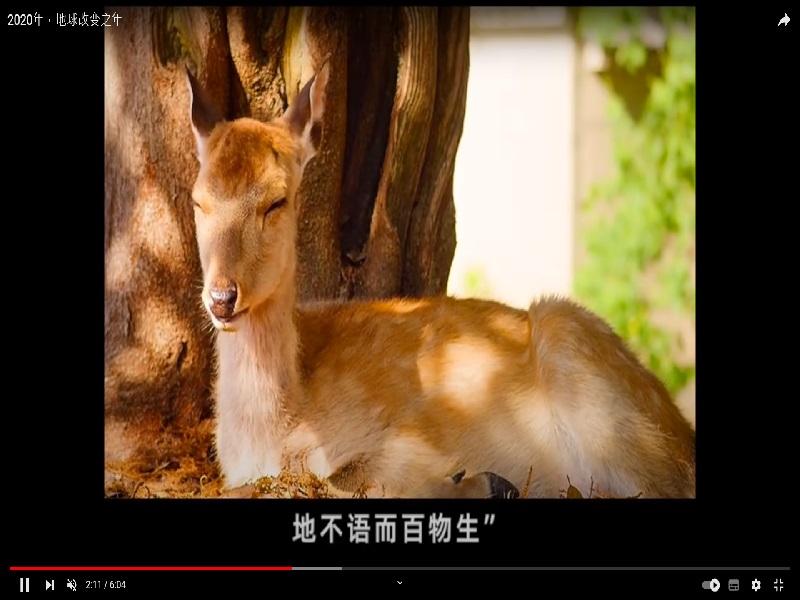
<point>432,397</point>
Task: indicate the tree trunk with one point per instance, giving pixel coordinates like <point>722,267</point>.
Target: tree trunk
<point>376,215</point>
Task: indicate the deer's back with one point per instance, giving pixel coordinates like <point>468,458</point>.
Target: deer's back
<point>478,382</point>
<point>404,352</point>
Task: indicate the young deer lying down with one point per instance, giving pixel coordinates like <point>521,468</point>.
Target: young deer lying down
<point>403,396</point>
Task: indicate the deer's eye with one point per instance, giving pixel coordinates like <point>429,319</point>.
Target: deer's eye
<point>274,206</point>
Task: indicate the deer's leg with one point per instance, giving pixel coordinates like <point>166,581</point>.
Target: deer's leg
<point>481,485</point>
<point>357,479</point>
<point>354,480</point>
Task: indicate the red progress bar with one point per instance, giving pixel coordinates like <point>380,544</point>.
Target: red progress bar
<point>151,568</point>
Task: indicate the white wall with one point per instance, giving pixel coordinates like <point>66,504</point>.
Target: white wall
<point>514,175</point>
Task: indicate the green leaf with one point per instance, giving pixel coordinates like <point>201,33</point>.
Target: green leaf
<point>649,204</point>
<point>631,56</point>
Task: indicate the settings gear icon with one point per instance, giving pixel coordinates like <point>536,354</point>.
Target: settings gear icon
<point>756,585</point>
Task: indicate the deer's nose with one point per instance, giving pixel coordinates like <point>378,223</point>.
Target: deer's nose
<point>223,301</point>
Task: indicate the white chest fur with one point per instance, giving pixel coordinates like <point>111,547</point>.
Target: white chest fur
<point>251,394</point>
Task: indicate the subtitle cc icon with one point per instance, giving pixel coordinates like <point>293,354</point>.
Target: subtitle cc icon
<point>712,585</point>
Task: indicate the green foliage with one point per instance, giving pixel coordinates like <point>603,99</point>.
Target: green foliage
<point>640,233</point>
<point>476,284</point>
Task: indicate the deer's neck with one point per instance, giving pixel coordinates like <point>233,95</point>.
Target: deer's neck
<point>257,379</point>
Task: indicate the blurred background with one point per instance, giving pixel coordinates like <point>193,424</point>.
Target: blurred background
<point>576,171</point>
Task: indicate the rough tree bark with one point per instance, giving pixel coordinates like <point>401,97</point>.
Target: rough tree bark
<point>376,208</point>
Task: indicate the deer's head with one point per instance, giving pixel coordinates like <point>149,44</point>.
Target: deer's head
<point>244,198</point>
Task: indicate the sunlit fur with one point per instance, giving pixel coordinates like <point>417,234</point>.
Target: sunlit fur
<point>401,394</point>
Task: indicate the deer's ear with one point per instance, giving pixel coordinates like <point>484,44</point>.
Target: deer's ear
<point>304,116</point>
<point>204,113</point>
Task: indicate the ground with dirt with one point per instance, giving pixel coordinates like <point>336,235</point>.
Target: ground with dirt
<point>181,465</point>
